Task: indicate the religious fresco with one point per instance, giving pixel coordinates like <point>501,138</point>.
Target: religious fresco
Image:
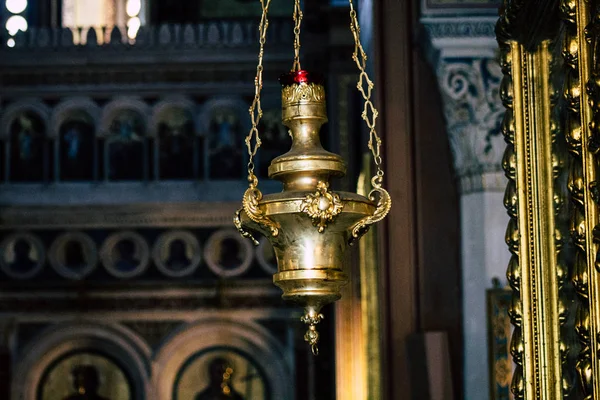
<point>22,255</point>
<point>28,148</point>
<point>227,254</point>
<point>126,146</point>
<point>219,373</point>
<point>176,144</point>
<point>85,376</point>
<point>170,148</point>
<point>177,253</point>
<point>226,145</point>
<point>76,149</point>
<point>125,254</point>
<point>103,256</point>
<point>73,255</point>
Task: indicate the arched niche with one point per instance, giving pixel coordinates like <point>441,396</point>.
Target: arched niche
<point>123,128</point>
<point>244,340</point>
<point>73,129</point>
<point>113,342</point>
<point>226,123</point>
<point>177,139</point>
<point>23,129</point>
<point>12,111</point>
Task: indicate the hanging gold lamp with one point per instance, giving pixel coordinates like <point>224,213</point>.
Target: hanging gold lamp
<point>309,225</point>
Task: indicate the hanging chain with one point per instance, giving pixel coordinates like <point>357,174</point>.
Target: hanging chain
<point>297,25</point>
<point>370,113</point>
<point>253,196</point>
<point>253,141</point>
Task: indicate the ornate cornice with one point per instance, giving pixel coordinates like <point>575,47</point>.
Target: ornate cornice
<point>465,59</point>
<point>461,36</point>
<point>459,7</point>
<point>257,294</point>
<point>210,34</point>
<point>466,27</point>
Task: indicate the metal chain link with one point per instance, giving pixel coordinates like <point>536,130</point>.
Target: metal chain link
<point>255,111</point>
<point>370,113</point>
<point>297,25</point>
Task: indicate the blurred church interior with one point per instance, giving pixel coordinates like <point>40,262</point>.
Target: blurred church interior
<point>122,161</point>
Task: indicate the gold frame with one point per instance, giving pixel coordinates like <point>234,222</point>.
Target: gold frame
<point>551,82</point>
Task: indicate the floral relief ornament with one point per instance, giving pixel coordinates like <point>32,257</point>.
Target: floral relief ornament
<point>322,206</point>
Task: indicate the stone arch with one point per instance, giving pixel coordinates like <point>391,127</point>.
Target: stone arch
<point>119,104</point>
<point>170,103</point>
<point>115,341</point>
<point>68,108</point>
<point>246,336</point>
<point>32,105</point>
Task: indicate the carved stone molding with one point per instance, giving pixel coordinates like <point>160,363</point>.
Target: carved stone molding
<point>462,36</point>
<point>231,33</point>
<point>463,51</point>
<point>169,215</point>
<point>473,113</point>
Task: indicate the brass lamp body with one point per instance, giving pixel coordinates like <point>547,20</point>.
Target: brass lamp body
<point>309,225</point>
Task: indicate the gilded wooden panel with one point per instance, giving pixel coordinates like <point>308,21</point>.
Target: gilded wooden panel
<point>552,100</point>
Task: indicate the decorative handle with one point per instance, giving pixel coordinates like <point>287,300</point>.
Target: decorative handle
<point>250,201</point>
<point>384,204</point>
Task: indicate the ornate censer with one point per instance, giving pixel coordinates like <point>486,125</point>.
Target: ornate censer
<point>309,225</point>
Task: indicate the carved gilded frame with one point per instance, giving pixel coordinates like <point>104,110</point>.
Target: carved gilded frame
<point>552,93</point>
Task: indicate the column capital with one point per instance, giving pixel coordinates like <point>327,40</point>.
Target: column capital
<point>464,53</point>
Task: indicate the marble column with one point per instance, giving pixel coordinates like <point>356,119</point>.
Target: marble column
<point>464,54</point>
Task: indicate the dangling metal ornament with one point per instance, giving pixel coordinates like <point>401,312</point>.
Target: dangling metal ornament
<point>309,225</point>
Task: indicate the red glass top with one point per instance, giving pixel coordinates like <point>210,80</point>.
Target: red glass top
<point>299,77</point>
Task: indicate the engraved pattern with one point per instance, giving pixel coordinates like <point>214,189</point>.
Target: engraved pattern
<point>511,199</point>
<point>311,92</point>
